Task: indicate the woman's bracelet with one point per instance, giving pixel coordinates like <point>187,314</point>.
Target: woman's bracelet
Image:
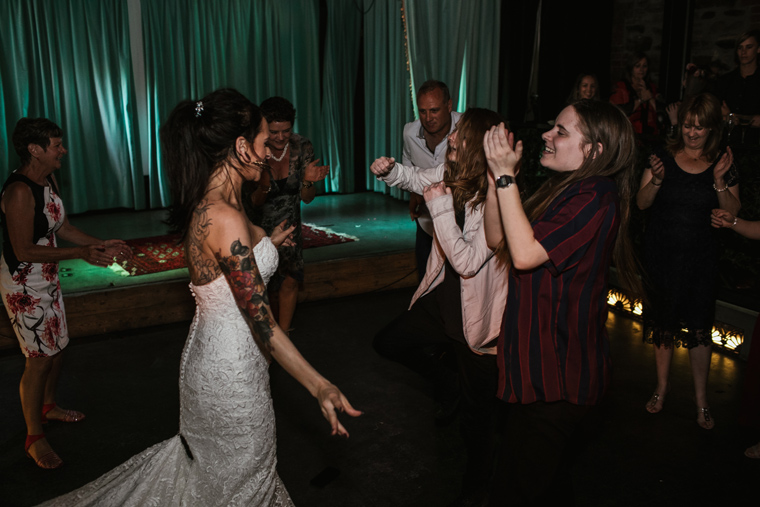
<point>655,184</point>
<point>265,190</point>
<point>720,189</point>
<point>734,224</point>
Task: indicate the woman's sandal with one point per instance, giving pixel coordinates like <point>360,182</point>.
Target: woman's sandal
<point>49,460</point>
<point>753,452</point>
<point>69,416</point>
<point>704,419</point>
<point>652,405</point>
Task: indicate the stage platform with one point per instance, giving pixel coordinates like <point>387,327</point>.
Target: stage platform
<point>100,300</point>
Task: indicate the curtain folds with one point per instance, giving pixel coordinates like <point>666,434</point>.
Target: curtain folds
<point>70,61</point>
<point>453,41</point>
<point>445,33</point>
<point>341,65</point>
<point>388,105</point>
<point>193,47</point>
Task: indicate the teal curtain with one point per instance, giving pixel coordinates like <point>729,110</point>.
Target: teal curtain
<point>451,40</point>
<point>437,40</point>
<point>341,66</point>
<point>388,104</point>
<point>261,48</point>
<point>69,61</point>
<point>482,54</point>
<point>447,35</point>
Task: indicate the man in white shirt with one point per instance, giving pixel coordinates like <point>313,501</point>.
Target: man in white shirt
<point>425,144</point>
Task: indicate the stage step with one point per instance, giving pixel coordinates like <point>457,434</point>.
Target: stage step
<point>119,309</point>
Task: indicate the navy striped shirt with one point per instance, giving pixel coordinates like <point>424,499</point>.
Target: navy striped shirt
<point>553,344</point>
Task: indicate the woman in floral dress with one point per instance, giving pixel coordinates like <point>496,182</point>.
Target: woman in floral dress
<point>32,215</point>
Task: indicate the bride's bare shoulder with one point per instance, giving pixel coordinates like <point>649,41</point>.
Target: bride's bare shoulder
<point>214,228</point>
<point>216,224</point>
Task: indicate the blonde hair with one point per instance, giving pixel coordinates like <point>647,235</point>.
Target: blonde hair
<point>706,108</point>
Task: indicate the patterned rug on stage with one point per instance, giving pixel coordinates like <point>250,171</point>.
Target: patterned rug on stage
<point>163,253</point>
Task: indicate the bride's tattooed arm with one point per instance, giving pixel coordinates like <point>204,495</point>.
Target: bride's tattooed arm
<point>205,269</point>
<point>242,274</point>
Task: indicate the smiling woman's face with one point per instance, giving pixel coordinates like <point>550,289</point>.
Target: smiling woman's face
<point>51,157</point>
<point>565,148</point>
<point>587,87</point>
<point>279,134</point>
<point>694,134</point>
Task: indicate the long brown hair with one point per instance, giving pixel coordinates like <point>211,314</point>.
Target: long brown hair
<point>468,176</point>
<point>706,108</point>
<point>601,123</point>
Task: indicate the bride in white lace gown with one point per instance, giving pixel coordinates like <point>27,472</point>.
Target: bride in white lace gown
<point>225,452</point>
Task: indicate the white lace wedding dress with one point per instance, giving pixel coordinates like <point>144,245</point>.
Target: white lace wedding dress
<point>226,419</point>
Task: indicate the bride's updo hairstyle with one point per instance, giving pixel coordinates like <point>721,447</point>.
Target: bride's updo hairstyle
<point>198,138</point>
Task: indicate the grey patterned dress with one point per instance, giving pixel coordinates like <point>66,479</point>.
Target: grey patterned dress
<point>283,202</point>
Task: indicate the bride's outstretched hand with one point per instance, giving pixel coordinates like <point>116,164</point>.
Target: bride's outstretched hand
<point>502,153</point>
<point>331,401</point>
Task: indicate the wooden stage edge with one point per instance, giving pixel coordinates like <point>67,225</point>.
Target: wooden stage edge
<point>113,310</point>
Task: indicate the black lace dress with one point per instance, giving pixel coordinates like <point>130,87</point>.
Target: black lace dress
<point>681,257</point>
<point>283,202</point>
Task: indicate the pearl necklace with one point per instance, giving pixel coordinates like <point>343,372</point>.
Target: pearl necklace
<point>282,156</point>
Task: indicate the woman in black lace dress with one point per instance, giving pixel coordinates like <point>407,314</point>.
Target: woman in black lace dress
<point>682,186</point>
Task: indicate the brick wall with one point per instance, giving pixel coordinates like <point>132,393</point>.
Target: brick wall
<point>637,26</point>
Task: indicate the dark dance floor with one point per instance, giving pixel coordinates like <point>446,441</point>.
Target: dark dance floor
<point>396,456</point>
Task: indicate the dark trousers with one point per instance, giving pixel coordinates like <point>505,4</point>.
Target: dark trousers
<point>539,446</point>
<point>409,340</point>
<point>422,247</point>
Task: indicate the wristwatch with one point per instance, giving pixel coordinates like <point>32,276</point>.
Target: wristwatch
<point>504,181</point>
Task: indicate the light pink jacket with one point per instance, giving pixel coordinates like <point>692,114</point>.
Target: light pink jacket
<point>483,281</point>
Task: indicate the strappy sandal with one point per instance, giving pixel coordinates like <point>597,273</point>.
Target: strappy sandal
<point>753,452</point>
<point>69,416</point>
<point>651,405</point>
<point>706,421</point>
<point>47,461</point>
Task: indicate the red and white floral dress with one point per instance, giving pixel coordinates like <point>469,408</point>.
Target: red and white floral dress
<point>31,292</point>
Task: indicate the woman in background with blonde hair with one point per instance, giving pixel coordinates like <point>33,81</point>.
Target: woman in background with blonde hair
<point>682,186</point>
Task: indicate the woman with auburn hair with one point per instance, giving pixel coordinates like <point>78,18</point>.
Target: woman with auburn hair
<point>636,95</point>
<point>459,301</point>
<point>553,352</point>
<point>225,452</point>
<point>682,186</point>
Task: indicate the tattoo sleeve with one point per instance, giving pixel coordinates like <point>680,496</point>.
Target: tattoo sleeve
<point>206,270</point>
<point>249,290</point>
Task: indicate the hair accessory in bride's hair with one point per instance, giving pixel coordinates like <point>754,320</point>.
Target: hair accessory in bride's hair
<point>198,108</point>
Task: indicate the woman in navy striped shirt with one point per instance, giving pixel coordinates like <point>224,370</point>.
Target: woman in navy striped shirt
<point>553,352</point>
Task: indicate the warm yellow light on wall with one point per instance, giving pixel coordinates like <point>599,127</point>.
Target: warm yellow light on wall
<point>723,335</point>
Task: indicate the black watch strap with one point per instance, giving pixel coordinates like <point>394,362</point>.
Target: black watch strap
<point>504,181</point>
